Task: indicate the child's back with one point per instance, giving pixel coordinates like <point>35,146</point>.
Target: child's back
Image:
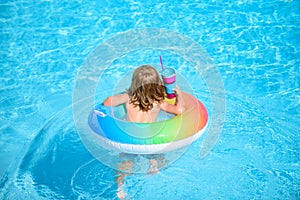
<point>134,114</point>
<point>145,97</point>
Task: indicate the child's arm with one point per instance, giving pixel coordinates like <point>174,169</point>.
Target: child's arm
<point>176,109</point>
<point>116,100</point>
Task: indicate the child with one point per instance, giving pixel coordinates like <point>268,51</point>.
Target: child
<point>143,101</point>
<point>145,97</point>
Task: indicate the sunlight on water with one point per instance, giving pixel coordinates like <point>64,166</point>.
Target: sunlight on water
<point>253,45</point>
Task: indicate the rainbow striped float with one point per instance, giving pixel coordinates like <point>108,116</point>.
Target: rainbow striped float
<point>150,138</point>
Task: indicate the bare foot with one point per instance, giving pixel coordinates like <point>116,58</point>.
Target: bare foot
<point>124,169</point>
<point>120,193</point>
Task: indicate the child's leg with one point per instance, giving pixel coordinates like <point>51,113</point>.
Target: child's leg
<point>124,169</point>
<point>156,162</point>
<point>153,169</point>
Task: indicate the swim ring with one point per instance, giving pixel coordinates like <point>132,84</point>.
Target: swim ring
<point>150,138</point>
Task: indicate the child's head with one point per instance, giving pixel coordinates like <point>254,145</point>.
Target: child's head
<point>146,87</point>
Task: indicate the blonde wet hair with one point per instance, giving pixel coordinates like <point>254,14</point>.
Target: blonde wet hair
<point>146,88</point>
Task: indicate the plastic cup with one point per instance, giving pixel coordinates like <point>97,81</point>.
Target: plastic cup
<point>169,79</point>
<point>168,75</point>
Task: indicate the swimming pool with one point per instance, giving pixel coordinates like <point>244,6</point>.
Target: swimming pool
<point>253,45</point>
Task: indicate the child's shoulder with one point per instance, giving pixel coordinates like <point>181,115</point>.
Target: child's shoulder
<point>124,95</point>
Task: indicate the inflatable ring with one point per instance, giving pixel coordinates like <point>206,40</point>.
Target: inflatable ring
<point>150,138</point>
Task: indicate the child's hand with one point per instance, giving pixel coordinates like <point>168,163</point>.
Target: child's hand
<point>176,108</point>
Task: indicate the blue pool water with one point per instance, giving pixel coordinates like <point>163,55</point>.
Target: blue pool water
<point>253,45</point>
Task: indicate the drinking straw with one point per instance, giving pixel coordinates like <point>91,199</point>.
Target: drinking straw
<point>162,66</point>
